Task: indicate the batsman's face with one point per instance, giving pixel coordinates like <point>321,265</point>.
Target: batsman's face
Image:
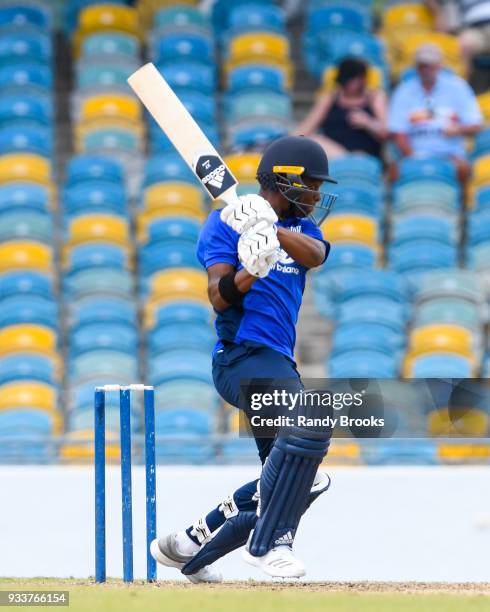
<point>310,198</point>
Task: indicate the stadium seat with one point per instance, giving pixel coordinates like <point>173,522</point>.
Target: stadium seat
<point>439,365</point>
<point>98,228</point>
<point>29,366</point>
<point>243,166</point>
<point>189,76</point>
<point>105,17</point>
<point>362,364</point>
<point>350,228</point>
<point>18,255</point>
<point>27,225</point>
<point>256,78</point>
<point>192,336</point>
<point>110,44</point>
<point>99,281</point>
<point>25,196</point>
<point>108,336</point>
<point>180,364</point>
<point>91,167</point>
<point>26,282</point>
<point>95,196</point>
<point>102,310</point>
<point>182,47</point>
<point>28,309</point>
<point>27,395</point>
<point>180,17</point>
<point>183,393</point>
<point>25,47</point>
<point>179,284</point>
<point>111,106</point>
<point>26,139</point>
<point>27,338</point>
<point>441,338</point>
<point>25,167</point>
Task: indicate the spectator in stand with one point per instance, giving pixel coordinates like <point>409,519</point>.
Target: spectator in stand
<point>474,18</point>
<point>432,113</point>
<point>351,118</point>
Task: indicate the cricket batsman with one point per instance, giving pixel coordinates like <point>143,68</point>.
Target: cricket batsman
<point>257,252</point>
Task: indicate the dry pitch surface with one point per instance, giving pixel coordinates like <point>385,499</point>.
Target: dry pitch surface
<point>260,596</point>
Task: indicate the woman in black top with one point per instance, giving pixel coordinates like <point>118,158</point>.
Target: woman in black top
<point>351,118</point>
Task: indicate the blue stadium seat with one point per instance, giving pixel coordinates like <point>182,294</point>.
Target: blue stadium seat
<point>185,392</point>
<point>183,47</point>
<point>345,257</point>
<point>92,167</point>
<point>256,78</point>
<point>24,15</point>
<point>97,255</point>
<point>166,167</point>
<point>115,366</point>
<point>189,77</point>
<point>181,312</point>
<point>390,315</point>
<point>361,336</point>
<point>26,283</point>
<point>221,12</point>
<point>422,255</point>
<point>26,78</point>
<point>362,364</point>
<point>357,169</point>
<point>426,169</point>
<point>423,227</point>
<point>478,228</point>
<point>451,310</point>
<point>239,450</point>
<point>356,307</point>
<point>180,364</point>
<point>28,309</point>
<point>380,283</point>
<point>18,139</point>
<point>359,44</point>
<point>256,135</point>
<point>25,47</point>
<point>355,199</point>
<point>16,425</point>
<point>96,73</point>
<point>181,421</point>
<point>255,17</point>
<point>457,283</point>
<point>26,224</point>
<point>193,336</point>
<point>24,196</point>
<point>482,199</point>
<point>185,448</point>
<point>103,310</point>
<point>27,366</point>
<point>99,281</point>
<point>105,336</point>
<point>441,365</point>
<point>180,18</point>
<point>95,196</point>
<point>25,110</point>
<point>168,254</point>
<point>104,45</point>
<point>173,228</point>
<point>82,419</point>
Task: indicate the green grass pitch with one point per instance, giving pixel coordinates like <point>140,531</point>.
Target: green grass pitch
<point>115,596</point>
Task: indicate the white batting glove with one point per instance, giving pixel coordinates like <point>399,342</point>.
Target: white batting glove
<point>258,249</point>
<point>247,211</point>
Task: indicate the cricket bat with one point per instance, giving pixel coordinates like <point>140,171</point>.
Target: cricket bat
<point>184,133</point>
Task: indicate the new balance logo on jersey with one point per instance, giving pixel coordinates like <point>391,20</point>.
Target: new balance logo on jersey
<point>216,177</point>
<point>285,540</point>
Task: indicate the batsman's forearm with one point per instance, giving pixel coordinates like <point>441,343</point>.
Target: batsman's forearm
<point>243,282</point>
<point>305,250</point>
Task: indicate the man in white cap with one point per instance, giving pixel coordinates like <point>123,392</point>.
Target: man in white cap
<point>433,112</point>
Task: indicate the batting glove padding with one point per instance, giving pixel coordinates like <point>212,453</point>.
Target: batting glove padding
<point>247,211</point>
<point>258,249</point>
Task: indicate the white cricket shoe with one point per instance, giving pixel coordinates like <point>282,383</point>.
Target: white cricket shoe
<point>279,562</point>
<point>165,551</point>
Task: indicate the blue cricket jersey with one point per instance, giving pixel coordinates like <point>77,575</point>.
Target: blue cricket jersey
<point>270,309</point>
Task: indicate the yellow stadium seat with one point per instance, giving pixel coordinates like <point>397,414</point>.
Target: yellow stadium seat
<point>257,46</point>
<point>407,15</point>
<point>179,283</point>
<point>100,228</point>
<point>103,18</point>
<point>481,171</point>
<point>374,78</point>
<point>79,447</point>
<point>461,423</point>
<point>25,167</point>
<point>23,255</point>
<point>243,166</point>
<point>172,195</point>
<point>27,394</point>
<point>27,338</point>
<point>111,106</point>
<point>351,228</point>
<point>439,339</point>
<point>484,102</point>
<point>447,43</point>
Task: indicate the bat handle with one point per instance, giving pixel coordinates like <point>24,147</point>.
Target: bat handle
<point>230,196</point>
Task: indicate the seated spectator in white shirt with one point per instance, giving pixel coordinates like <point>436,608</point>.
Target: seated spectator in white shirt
<point>474,25</point>
<point>431,113</point>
